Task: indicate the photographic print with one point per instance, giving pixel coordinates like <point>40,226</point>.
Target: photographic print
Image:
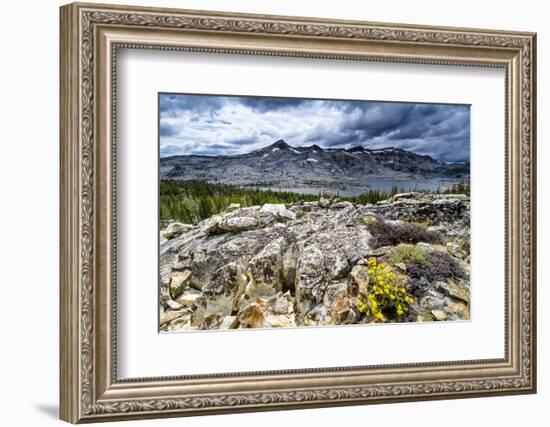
<point>291,212</point>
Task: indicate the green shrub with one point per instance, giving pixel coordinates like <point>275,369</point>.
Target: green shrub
<point>427,316</point>
<point>439,267</point>
<point>413,220</point>
<point>386,234</point>
<point>407,254</point>
<point>365,221</point>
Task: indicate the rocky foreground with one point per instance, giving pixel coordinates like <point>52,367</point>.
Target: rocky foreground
<point>318,263</point>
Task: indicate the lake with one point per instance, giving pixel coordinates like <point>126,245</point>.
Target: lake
<point>382,184</point>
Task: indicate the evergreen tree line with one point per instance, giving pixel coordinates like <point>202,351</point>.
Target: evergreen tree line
<point>460,188</point>
<point>193,201</point>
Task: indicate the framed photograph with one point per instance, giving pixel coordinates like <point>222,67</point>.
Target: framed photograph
<point>267,212</point>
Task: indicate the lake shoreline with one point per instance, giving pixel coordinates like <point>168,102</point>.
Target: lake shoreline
<point>379,184</point>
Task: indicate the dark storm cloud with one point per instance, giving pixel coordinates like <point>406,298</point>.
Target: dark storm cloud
<point>168,129</point>
<point>171,105</point>
<point>215,125</point>
<point>266,104</point>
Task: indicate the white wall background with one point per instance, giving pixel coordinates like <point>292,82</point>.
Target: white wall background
<point>29,170</point>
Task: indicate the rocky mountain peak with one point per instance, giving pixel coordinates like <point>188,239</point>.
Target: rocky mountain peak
<point>315,147</point>
<point>388,150</point>
<point>280,144</point>
<point>293,165</point>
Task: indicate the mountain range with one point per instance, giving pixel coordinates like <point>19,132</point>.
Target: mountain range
<point>283,165</point>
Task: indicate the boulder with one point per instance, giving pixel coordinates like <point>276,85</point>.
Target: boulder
<point>440,314</point>
<point>176,229</point>
<point>253,316</point>
<point>456,290</point>
<point>341,205</point>
<point>456,248</point>
<point>183,262</point>
<point>277,210</point>
<point>189,297</point>
<point>280,321</point>
<point>342,307</point>
<point>358,279</point>
<point>317,316</point>
<point>198,312</point>
<point>282,303</point>
<point>458,311</point>
<point>229,223</point>
<point>170,315</point>
<point>164,296</point>
<point>225,289</point>
<point>180,323</point>
<point>324,203</point>
<point>173,305</point>
<point>233,207</point>
<point>401,196</point>
<point>309,206</point>
<point>265,270</point>
<point>431,302</point>
<point>229,322</point>
<point>291,252</point>
<point>237,224</point>
<point>311,280</point>
<point>268,313</point>
<point>212,321</point>
<point>178,282</point>
<point>209,253</point>
<point>337,265</point>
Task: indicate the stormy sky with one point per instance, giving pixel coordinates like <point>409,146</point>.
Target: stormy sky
<point>227,125</point>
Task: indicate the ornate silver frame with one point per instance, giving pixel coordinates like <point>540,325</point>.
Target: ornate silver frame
<point>90,36</point>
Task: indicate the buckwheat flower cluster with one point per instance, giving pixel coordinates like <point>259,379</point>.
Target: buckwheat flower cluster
<point>384,296</point>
